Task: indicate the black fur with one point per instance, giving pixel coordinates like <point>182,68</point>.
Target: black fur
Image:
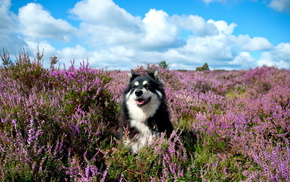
<point>160,121</point>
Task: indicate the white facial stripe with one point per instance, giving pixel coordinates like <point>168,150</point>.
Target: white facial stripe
<point>128,95</point>
<point>159,93</point>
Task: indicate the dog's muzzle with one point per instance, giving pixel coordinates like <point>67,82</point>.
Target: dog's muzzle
<point>141,101</point>
<point>138,92</point>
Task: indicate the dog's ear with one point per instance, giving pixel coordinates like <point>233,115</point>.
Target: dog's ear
<point>133,75</point>
<point>156,75</point>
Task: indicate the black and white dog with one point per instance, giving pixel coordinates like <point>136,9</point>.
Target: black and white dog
<point>144,113</point>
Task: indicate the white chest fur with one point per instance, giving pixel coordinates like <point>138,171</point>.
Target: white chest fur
<point>139,116</point>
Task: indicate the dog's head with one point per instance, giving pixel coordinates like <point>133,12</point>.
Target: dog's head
<point>145,89</point>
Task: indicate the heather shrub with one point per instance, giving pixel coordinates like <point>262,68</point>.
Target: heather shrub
<point>84,88</point>
<point>60,125</point>
<point>120,80</point>
<point>49,118</point>
<point>164,160</point>
<point>28,74</point>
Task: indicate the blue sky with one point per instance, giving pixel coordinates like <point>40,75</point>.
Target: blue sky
<point>122,34</point>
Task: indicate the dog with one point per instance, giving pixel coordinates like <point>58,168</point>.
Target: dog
<point>144,112</point>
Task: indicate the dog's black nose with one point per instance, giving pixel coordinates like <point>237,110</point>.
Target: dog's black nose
<point>138,92</point>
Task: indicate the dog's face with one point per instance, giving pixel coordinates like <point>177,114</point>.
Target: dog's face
<point>144,90</point>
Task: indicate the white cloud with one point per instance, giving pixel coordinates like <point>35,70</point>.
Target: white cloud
<point>196,24</point>
<point>223,26</point>
<point>246,43</point>
<point>104,24</point>
<point>43,47</point>
<point>101,37</point>
<point>118,58</point>
<point>216,49</point>
<point>6,23</point>
<point>278,56</point>
<point>159,31</point>
<point>65,55</point>
<point>77,53</point>
<point>280,5</point>
<point>105,13</point>
<point>109,36</point>
<point>37,23</point>
<point>156,37</point>
<point>12,43</point>
<point>244,60</point>
<point>10,40</point>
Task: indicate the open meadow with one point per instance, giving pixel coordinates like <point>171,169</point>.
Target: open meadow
<point>61,125</point>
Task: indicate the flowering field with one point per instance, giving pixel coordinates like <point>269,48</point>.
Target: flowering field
<point>61,125</point>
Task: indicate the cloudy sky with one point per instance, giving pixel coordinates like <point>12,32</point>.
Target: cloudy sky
<point>121,34</point>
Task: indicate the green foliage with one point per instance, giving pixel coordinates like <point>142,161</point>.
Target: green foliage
<point>162,161</point>
<point>213,161</point>
<point>236,92</point>
<point>203,68</point>
<point>5,57</point>
<point>24,71</point>
<point>164,65</point>
<point>124,163</point>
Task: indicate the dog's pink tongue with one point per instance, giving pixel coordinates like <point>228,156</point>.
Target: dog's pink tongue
<point>140,101</point>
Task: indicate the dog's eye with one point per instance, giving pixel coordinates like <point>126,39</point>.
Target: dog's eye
<point>134,86</point>
<point>146,85</point>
